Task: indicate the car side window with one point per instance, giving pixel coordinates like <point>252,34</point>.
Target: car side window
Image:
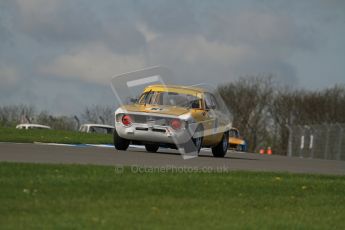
<point>210,101</point>
<point>214,101</point>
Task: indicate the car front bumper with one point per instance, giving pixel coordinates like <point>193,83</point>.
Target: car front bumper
<point>153,133</point>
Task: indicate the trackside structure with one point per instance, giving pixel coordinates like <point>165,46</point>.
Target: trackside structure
<point>326,141</point>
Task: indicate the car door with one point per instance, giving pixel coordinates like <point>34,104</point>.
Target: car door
<point>211,122</point>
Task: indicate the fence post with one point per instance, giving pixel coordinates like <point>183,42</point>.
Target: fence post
<point>325,154</point>
<point>311,142</point>
<point>308,136</point>
<point>341,131</point>
<point>290,140</point>
<point>302,132</point>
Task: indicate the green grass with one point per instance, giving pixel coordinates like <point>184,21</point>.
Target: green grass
<point>35,196</point>
<point>53,136</point>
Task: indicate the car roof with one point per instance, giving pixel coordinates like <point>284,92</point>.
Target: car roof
<point>33,125</point>
<point>98,125</point>
<point>161,87</point>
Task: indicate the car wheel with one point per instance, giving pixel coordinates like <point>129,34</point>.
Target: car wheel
<point>195,143</point>
<point>119,142</point>
<point>221,149</point>
<point>152,148</point>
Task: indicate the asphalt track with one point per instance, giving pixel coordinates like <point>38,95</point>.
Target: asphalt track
<point>39,153</point>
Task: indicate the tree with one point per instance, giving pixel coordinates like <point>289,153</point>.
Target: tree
<point>57,122</point>
<point>98,114</point>
<point>248,99</point>
<point>14,114</point>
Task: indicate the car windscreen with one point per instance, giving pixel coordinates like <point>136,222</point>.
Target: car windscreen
<point>233,133</point>
<point>170,99</point>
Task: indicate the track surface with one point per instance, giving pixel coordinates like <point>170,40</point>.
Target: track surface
<point>36,153</point>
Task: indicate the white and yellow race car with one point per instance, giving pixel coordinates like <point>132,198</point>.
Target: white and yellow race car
<point>175,117</point>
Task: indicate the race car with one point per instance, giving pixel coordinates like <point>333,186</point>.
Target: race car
<point>96,128</point>
<point>32,126</point>
<point>236,141</point>
<point>176,117</point>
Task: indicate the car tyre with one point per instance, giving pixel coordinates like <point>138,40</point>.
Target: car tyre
<point>221,149</point>
<point>152,148</point>
<point>119,142</point>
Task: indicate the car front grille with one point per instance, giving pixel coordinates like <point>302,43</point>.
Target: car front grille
<point>154,120</point>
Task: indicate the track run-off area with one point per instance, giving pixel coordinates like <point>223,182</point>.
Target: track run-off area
<point>138,157</point>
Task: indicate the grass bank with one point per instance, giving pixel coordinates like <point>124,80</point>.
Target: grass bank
<point>54,136</point>
<point>35,196</point>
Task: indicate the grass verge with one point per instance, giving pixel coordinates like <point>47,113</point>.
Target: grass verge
<point>52,136</point>
<point>35,196</point>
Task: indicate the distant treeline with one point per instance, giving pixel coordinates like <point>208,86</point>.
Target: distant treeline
<point>262,109</point>
<point>12,115</point>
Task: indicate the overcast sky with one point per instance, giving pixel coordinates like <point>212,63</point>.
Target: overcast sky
<point>60,55</point>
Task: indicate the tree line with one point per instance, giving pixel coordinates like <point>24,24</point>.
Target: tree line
<point>263,109</point>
